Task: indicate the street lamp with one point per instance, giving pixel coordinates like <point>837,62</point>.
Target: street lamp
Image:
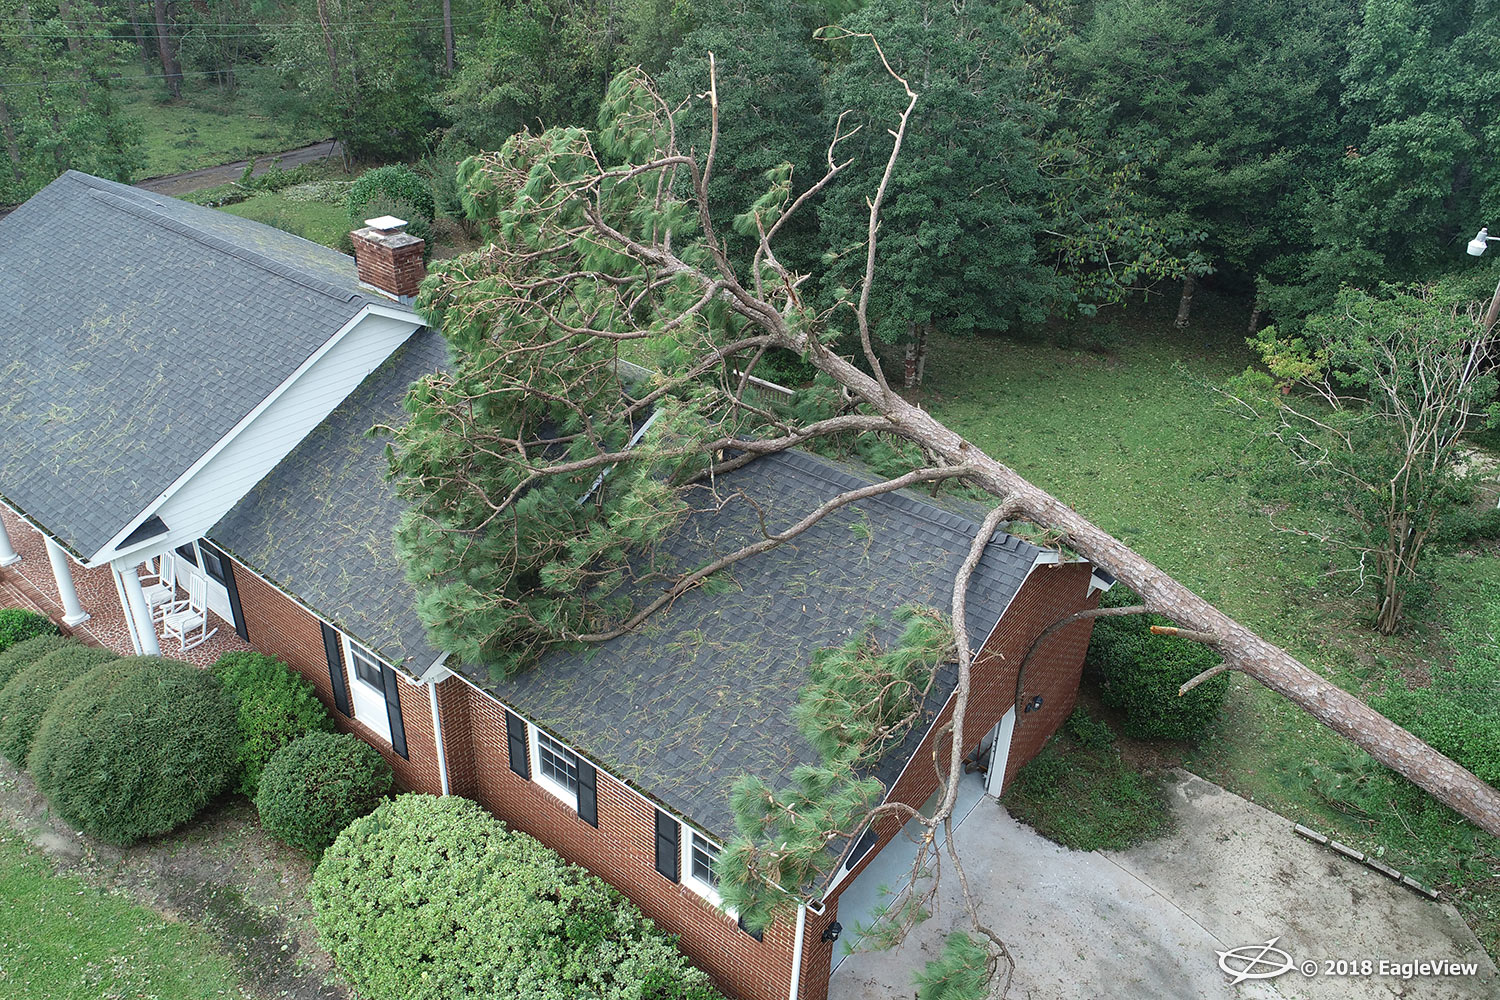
<point>1481,242</point>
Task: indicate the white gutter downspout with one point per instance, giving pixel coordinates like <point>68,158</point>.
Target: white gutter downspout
<point>437,734</point>
<point>797,951</point>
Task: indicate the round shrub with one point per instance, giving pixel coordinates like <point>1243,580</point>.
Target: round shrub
<point>431,898</point>
<point>24,654</point>
<point>18,625</point>
<point>28,695</point>
<point>313,787</point>
<point>398,184</point>
<point>1140,674</point>
<point>136,747</point>
<point>276,705</point>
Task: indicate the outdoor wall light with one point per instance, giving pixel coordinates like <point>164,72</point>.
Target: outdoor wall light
<point>1033,704</point>
<point>832,931</point>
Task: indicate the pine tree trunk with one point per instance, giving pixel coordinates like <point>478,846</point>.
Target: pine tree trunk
<point>170,68</point>
<point>1242,649</point>
<point>147,60</point>
<point>1255,314</point>
<point>910,362</point>
<point>11,146</point>
<point>923,340</point>
<point>1185,304</point>
<point>448,36</point>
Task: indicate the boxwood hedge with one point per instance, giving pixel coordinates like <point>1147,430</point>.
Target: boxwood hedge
<point>24,654</point>
<point>275,705</point>
<point>315,785</point>
<point>431,898</point>
<point>136,747</point>
<point>28,695</point>
<point>18,625</point>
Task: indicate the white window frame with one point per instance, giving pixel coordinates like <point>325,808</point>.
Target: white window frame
<point>558,790</point>
<point>693,882</point>
<point>381,722</point>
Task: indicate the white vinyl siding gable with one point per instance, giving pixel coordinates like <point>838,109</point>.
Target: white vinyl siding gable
<point>219,484</point>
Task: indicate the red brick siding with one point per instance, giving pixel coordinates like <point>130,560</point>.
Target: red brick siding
<point>1049,593</point>
<point>279,626</point>
<point>398,270</point>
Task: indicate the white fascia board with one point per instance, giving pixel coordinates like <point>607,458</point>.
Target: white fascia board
<point>109,553</point>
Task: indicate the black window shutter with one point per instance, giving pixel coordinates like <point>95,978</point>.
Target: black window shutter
<point>667,832</point>
<point>515,739</point>
<point>393,709</point>
<point>588,793</point>
<point>758,935</point>
<point>235,611</point>
<point>335,667</point>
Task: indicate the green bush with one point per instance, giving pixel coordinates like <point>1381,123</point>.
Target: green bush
<point>136,747</point>
<point>398,184</point>
<point>276,705</point>
<point>431,898</point>
<point>24,654</point>
<point>313,787</point>
<point>1140,674</point>
<point>18,625</point>
<point>28,695</point>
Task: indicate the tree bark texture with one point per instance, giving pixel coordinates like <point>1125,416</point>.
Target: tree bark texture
<point>448,36</point>
<point>170,68</point>
<point>147,60</point>
<point>1185,304</point>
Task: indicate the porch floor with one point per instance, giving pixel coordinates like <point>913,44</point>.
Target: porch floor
<point>29,584</point>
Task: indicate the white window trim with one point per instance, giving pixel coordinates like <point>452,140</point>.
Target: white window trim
<point>380,726</point>
<point>692,881</point>
<point>558,791</point>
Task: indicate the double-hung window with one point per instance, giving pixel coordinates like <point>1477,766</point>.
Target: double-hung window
<point>698,865</point>
<point>557,764</point>
<point>562,773</point>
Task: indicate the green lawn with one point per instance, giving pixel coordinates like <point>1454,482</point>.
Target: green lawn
<point>206,128</point>
<point>1137,442</point>
<point>317,221</point>
<point>60,939</point>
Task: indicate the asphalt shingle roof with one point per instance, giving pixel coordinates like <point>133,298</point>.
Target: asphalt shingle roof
<point>321,524</point>
<point>135,331</point>
<point>703,692</point>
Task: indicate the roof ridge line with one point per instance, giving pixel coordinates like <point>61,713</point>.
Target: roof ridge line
<point>265,263</point>
<point>817,465</point>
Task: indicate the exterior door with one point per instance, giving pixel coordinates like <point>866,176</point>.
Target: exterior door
<point>994,779</point>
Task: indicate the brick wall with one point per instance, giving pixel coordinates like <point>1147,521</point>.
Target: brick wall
<point>1049,593</point>
<point>622,849</point>
<point>390,261</point>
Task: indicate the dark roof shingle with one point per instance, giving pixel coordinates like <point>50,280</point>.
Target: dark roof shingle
<point>136,331</point>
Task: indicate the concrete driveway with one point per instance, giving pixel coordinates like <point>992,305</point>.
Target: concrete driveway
<point>1148,922</point>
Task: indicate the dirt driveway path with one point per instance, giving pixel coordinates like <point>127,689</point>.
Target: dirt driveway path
<point>220,873</point>
<point>1148,923</point>
<point>196,180</point>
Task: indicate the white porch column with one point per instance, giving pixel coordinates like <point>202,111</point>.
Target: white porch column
<point>73,613</point>
<point>145,628</point>
<point>8,555</point>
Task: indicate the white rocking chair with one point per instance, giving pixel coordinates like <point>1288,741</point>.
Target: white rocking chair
<point>161,592</point>
<point>189,616</point>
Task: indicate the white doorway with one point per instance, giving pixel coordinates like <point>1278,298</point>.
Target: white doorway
<point>999,753</point>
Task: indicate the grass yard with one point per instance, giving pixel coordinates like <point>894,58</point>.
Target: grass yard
<point>1135,440</point>
<point>318,221</point>
<point>207,128</point>
<point>60,938</point>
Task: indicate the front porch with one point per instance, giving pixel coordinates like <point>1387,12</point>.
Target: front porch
<point>31,582</point>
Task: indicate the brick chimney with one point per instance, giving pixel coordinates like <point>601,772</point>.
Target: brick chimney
<point>388,258</point>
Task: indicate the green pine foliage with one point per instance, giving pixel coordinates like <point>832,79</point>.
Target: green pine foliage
<point>961,972</point>
<point>136,747</point>
<point>18,625</point>
<point>860,699</point>
<point>28,695</point>
<point>432,898</point>
<point>314,786</point>
<point>276,705</point>
<point>1140,674</point>
<point>28,651</point>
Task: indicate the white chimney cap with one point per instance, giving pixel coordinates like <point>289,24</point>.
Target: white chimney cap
<point>386,223</point>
